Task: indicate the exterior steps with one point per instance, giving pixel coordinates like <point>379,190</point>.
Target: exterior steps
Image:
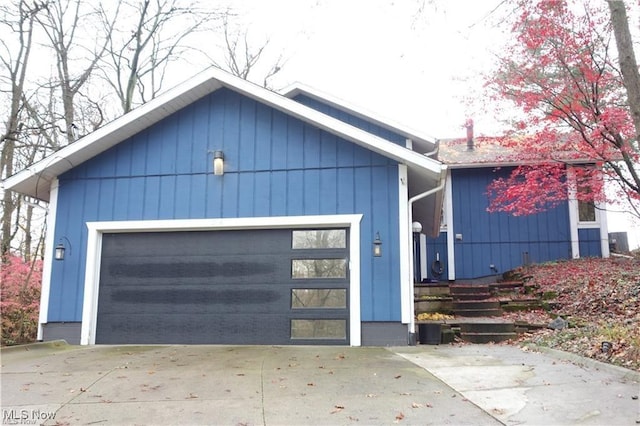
<point>487,332</point>
<point>487,337</point>
<point>475,311</point>
<point>477,308</point>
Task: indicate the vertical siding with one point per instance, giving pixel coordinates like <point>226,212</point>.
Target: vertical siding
<point>498,238</point>
<point>350,119</point>
<point>590,242</point>
<point>437,246</point>
<point>275,165</point>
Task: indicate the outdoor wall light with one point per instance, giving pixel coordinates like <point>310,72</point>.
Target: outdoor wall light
<point>416,226</point>
<point>218,163</point>
<point>60,249</point>
<point>377,246</point>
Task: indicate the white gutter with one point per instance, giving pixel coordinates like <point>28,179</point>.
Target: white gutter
<point>411,295</point>
<point>434,151</point>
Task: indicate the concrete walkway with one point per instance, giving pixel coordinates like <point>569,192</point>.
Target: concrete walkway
<point>59,384</point>
<point>524,386</point>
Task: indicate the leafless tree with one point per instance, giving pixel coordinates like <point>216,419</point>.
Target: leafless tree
<point>70,26</point>
<point>19,19</point>
<point>240,58</point>
<point>138,58</point>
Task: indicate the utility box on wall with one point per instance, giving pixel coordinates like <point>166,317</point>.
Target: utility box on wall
<point>618,242</point>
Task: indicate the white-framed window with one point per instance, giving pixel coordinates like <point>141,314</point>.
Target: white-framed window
<point>588,211</point>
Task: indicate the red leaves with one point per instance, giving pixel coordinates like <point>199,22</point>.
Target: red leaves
<point>20,288</point>
<point>557,70</point>
<point>528,190</point>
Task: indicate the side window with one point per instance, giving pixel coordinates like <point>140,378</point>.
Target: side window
<point>586,179</point>
<point>586,211</point>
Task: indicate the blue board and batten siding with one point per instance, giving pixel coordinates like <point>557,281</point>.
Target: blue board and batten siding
<point>351,119</point>
<point>498,239</point>
<point>589,242</point>
<point>275,165</point>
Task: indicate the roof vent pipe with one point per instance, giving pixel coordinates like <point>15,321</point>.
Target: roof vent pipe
<point>469,126</point>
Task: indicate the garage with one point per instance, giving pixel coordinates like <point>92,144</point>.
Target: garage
<point>258,286</point>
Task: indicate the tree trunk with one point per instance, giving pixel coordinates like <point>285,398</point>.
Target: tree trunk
<point>8,205</point>
<point>628,64</point>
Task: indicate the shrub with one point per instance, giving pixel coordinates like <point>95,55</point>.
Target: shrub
<point>19,299</point>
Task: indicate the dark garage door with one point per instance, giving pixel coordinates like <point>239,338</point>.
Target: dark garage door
<point>277,286</point>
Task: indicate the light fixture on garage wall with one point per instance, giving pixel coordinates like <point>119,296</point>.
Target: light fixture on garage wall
<point>377,246</point>
<point>60,249</point>
<point>218,163</point>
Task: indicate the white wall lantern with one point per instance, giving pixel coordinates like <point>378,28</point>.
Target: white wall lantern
<point>377,246</point>
<point>218,163</point>
<point>60,249</point>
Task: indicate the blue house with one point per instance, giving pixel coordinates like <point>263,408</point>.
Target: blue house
<point>475,245</point>
<point>222,212</point>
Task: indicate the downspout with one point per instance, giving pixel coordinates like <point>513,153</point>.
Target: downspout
<point>412,323</point>
<point>435,149</point>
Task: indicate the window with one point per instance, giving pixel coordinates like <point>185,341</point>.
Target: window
<point>309,298</point>
<point>587,183</point>
<point>319,239</point>
<point>586,211</point>
<point>318,329</point>
<point>318,268</point>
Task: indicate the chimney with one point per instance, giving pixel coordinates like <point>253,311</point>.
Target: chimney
<point>469,126</point>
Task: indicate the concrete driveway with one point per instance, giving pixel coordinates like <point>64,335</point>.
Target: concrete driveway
<point>59,384</point>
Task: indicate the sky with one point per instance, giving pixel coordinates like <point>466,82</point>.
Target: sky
<point>415,62</point>
<point>414,67</point>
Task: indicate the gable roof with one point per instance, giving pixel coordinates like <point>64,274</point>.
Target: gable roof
<point>35,180</point>
<point>421,142</point>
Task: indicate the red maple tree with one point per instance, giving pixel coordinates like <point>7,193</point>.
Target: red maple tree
<point>19,299</point>
<point>560,72</point>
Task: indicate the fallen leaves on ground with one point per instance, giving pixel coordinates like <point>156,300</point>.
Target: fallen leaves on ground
<point>600,298</point>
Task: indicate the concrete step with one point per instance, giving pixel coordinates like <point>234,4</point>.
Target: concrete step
<point>442,306</point>
<point>431,290</point>
<point>459,289</point>
<point>478,312</point>
<point>487,327</point>
<point>521,305</point>
<point>472,296</point>
<point>507,285</point>
<point>475,304</point>
<point>486,337</point>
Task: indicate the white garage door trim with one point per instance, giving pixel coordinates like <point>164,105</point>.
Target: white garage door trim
<point>94,254</point>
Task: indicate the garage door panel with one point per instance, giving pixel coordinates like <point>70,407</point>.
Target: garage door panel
<point>252,300</point>
<point>221,287</point>
<point>186,328</point>
<point>197,243</point>
<point>139,270</point>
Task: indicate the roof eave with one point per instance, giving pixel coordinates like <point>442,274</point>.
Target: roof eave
<point>35,180</point>
<point>299,88</point>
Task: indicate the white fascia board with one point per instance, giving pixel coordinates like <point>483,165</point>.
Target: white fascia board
<point>113,133</point>
<point>338,127</point>
<point>372,117</point>
<point>184,94</point>
<point>512,164</point>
